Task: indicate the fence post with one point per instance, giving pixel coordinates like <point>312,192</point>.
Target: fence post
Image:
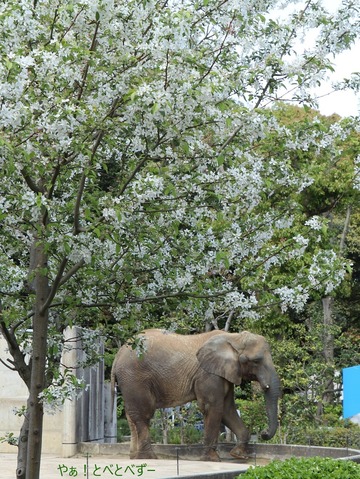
<point>110,419</point>
<point>70,360</point>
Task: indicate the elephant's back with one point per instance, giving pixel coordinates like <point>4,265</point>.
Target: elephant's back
<point>190,342</point>
<point>163,363</point>
<point>160,342</point>
<point>154,344</point>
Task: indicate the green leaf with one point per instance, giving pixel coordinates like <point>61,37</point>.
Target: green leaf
<point>155,108</point>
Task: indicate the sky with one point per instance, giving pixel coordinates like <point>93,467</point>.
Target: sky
<point>344,103</point>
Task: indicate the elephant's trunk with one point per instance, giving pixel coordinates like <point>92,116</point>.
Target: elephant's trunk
<point>272,394</point>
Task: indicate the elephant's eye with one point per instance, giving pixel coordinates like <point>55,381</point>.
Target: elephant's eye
<point>256,359</point>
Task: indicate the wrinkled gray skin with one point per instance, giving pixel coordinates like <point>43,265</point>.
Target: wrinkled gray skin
<point>175,369</point>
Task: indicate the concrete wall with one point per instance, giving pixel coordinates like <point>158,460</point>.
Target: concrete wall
<point>13,395</point>
<point>80,420</point>
<point>194,451</point>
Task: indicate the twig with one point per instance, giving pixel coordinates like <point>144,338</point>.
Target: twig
<point>7,366</point>
<point>55,285</point>
<point>71,272</point>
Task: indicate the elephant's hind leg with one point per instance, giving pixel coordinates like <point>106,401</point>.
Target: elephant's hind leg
<point>134,438</point>
<point>140,446</point>
<point>211,405</point>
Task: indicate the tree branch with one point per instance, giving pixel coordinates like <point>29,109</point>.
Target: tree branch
<point>132,175</point>
<point>220,50</point>
<point>55,285</point>
<point>77,228</point>
<point>71,272</point>
<point>7,366</point>
<point>345,229</point>
<point>21,367</point>
<point>31,183</point>
<point>87,66</point>
<point>268,83</point>
<point>56,172</point>
<point>228,321</point>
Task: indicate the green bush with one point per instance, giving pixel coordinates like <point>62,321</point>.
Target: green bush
<point>253,413</point>
<point>177,426</point>
<point>324,436</point>
<point>305,468</point>
<point>177,435</point>
<point>122,429</point>
<point>189,435</point>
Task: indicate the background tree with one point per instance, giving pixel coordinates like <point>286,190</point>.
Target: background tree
<point>316,341</point>
<point>135,169</point>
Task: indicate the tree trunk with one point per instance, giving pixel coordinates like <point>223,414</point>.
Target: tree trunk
<point>328,346</point>
<point>24,370</point>
<point>328,340</point>
<point>165,426</point>
<point>328,322</point>
<point>22,446</point>
<point>39,349</point>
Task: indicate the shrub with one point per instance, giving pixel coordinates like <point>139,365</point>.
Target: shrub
<point>180,425</point>
<point>177,435</point>
<point>253,413</point>
<point>188,435</point>
<point>324,436</point>
<point>305,468</point>
<point>122,429</point>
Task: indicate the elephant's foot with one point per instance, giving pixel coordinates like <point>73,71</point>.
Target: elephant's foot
<point>143,455</point>
<point>240,451</point>
<point>210,455</point>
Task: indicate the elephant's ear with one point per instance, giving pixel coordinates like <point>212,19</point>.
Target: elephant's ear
<point>217,356</point>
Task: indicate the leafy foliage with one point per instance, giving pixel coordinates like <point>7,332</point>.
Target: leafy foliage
<point>307,468</point>
<point>10,438</point>
<point>180,425</point>
<point>338,436</point>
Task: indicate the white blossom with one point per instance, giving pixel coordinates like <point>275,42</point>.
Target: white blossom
<point>294,298</point>
<point>314,223</point>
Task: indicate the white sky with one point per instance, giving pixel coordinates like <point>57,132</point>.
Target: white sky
<point>344,103</point>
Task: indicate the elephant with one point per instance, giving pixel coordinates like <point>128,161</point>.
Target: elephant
<point>173,369</point>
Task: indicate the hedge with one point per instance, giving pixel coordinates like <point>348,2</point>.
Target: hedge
<point>305,468</point>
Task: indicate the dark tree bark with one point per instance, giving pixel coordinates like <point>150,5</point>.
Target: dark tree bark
<point>24,370</point>
<point>38,379</point>
<point>23,446</point>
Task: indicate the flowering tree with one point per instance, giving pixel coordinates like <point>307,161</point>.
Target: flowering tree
<point>132,166</point>
<point>314,344</point>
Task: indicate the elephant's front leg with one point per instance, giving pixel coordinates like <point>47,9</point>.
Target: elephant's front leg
<point>212,422</point>
<point>233,421</point>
